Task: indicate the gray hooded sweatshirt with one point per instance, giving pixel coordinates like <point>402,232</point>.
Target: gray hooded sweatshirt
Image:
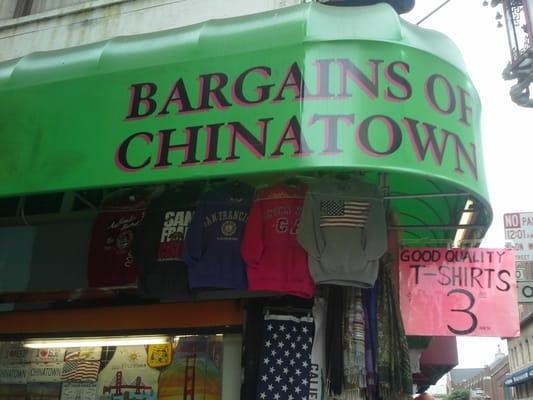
<point>343,230</point>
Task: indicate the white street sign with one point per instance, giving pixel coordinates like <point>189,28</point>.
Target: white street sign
<point>525,292</point>
<point>520,274</point>
<point>519,231</point>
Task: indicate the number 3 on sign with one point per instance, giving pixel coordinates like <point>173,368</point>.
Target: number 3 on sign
<point>466,310</point>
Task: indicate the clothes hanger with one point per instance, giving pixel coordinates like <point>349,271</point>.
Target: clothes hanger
<point>133,195</point>
<point>297,179</point>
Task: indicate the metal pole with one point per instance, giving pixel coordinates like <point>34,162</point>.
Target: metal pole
<point>425,195</point>
<point>429,227</point>
<point>433,12</point>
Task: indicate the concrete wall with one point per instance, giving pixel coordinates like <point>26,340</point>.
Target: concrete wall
<point>98,20</point>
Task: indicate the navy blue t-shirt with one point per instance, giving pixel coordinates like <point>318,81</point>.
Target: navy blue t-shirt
<point>212,248</point>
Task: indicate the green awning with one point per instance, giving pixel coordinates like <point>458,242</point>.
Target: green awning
<point>309,89</point>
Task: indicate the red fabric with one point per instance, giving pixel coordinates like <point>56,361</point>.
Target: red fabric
<point>275,260</point>
<point>110,262</point>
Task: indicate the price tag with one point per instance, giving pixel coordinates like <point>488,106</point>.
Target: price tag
<point>449,292</point>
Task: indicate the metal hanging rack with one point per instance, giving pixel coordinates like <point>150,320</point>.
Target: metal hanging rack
<point>425,195</point>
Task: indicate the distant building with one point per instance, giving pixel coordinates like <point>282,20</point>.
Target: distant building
<point>499,371</point>
<point>458,377</point>
<point>484,383</point>
<point>520,378</point>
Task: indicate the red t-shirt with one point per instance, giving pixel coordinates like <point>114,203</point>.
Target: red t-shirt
<point>274,259</point>
<point>110,260</point>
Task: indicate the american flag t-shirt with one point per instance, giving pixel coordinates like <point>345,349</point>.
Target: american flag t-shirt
<point>80,371</point>
<point>286,358</point>
<point>343,213</point>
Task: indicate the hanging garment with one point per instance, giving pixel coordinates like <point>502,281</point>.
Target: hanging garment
<point>275,260</point>
<point>213,244</point>
<point>370,306</point>
<point>414,360</point>
<point>286,358</point>
<point>158,243</point>
<point>110,260</point>
<point>394,370</point>
<point>334,339</point>
<point>354,346</point>
<point>317,380</point>
<point>343,230</point>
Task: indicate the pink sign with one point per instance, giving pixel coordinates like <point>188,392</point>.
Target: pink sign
<point>450,292</point>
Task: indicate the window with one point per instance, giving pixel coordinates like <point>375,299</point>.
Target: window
<point>7,9</point>
<point>153,369</point>
<point>20,8</point>
<point>40,6</point>
<point>23,8</point>
<point>528,351</point>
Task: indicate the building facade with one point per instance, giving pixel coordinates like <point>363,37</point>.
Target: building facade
<point>483,383</point>
<point>520,378</point>
<point>41,25</point>
<point>457,377</point>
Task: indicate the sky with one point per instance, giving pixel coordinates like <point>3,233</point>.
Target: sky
<point>505,126</point>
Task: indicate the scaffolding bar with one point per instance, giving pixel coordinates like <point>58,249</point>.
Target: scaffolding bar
<point>428,227</point>
<point>426,195</point>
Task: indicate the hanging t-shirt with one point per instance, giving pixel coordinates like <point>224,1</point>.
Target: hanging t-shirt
<point>213,243</point>
<point>158,244</point>
<point>343,230</point>
<point>110,261</point>
<point>275,260</point>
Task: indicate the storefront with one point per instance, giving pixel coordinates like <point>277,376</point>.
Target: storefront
<point>341,125</point>
<point>521,382</point>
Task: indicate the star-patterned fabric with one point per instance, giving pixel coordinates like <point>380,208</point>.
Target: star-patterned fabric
<point>285,367</point>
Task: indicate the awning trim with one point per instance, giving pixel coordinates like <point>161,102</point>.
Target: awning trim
<point>518,377</point>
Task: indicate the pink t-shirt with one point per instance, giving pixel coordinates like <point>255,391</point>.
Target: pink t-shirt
<point>274,259</point>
